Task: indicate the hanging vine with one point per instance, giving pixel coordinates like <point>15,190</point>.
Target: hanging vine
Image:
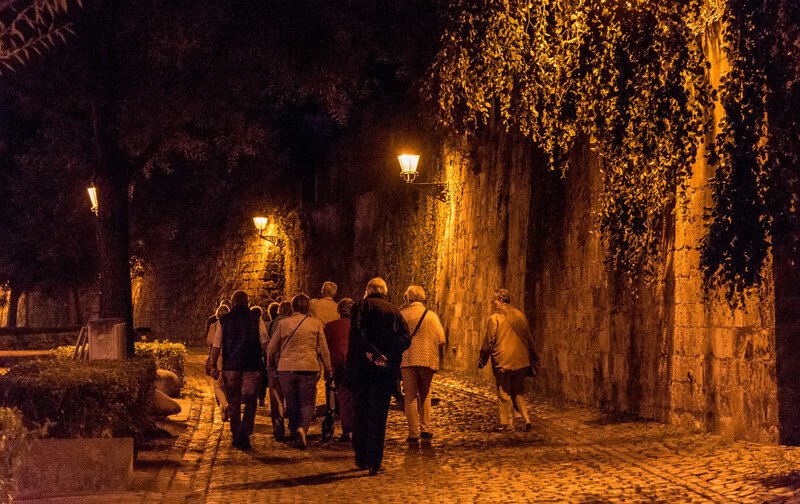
<point>630,76</point>
<point>739,235</point>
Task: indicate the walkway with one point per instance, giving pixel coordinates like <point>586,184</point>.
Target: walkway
<point>574,454</point>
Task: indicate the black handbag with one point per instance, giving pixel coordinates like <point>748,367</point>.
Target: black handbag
<point>375,357</point>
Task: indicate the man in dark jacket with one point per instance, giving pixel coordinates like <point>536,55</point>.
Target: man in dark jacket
<point>378,337</point>
<point>238,338</point>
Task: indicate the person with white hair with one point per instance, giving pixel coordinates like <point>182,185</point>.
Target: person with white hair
<point>325,309</point>
<point>378,338</point>
<point>420,362</point>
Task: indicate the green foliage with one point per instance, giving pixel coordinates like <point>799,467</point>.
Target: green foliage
<point>14,442</point>
<point>739,238</point>
<point>82,399</point>
<point>39,339</point>
<point>165,354</point>
<point>33,28</point>
<point>630,77</point>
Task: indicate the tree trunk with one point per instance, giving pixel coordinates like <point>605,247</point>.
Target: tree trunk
<point>13,306</point>
<point>112,240</point>
<point>112,173</point>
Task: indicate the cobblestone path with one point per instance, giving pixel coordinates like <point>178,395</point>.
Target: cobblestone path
<point>573,454</point>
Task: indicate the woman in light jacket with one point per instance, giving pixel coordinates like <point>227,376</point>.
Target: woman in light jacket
<point>420,362</point>
<point>298,346</point>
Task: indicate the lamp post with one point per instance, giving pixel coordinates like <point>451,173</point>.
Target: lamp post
<point>408,170</point>
<point>92,190</point>
<point>261,224</point>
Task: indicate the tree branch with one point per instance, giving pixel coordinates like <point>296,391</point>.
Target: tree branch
<point>226,42</point>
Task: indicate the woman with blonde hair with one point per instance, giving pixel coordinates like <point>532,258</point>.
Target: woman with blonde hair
<point>420,362</point>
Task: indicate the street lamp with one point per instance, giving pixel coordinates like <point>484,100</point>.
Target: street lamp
<point>92,190</point>
<point>408,166</point>
<point>408,170</point>
<point>261,224</point>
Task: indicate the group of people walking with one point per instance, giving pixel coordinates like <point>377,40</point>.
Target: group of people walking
<point>363,347</point>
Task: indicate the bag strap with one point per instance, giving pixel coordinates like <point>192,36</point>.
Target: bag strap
<point>283,347</point>
<point>526,345</point>
<point>357,321</point>
<point>419,323</point>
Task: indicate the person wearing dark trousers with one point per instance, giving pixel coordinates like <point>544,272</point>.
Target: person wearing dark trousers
<point>272,314</point>
<point>378,337</point>
<point>337,334</point>
<point>276,402</point>
<point>238,338</point>
<point>264,383</point>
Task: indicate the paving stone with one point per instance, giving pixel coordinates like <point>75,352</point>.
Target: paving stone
<point>573,454</point>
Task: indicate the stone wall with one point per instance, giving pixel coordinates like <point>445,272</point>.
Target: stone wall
<point>54,309</point>
<point>175,296</point>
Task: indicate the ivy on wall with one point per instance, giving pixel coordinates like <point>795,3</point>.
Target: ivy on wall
<point>630,76</point>
<point>739,235</point>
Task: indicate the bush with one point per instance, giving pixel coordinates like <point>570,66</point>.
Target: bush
<point>43,339</point>
<point>82,399</point>
<point>14,442</point>
<point>167,355</point>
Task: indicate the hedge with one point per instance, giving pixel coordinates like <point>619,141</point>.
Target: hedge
<point>14,443</point>
<point>167,355</point>
<point>82,399</point>
<point>37,341</point>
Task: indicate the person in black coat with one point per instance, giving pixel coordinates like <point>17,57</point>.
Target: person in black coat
<point>378,337</point>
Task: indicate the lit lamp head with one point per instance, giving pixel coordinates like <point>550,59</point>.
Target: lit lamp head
<point>260,223</point>
<point>408,166</point>
<point>92,190</point>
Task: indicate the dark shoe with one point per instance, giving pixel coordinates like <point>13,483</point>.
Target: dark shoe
<point>344,438</point>
<point>243,443</point>
<point>426,435</point>
<point>261,402</point>
<point>528,427</point>
<point>504,428</point>
<point>225,415</point>
<point>373,470</point>
<point>362,467</point>
<point>412,440</point>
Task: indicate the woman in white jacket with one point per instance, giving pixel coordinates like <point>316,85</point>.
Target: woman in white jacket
<point>420,362</point>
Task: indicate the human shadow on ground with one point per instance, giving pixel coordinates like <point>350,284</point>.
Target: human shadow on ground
<point>144,464</point>
<point>790,480</point>
<point>616,418</point>
<point>310,480</point>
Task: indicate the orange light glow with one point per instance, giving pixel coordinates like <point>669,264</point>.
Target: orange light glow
<point>93,197</point>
